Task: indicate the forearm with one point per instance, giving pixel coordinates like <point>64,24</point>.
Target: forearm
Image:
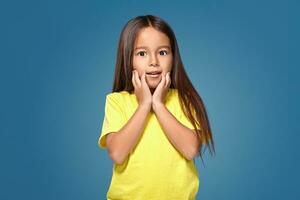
<point>183,138</point>
<point>125,140</point>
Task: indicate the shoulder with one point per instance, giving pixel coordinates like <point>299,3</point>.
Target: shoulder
<point>123,100</point>
<point>117,96</point>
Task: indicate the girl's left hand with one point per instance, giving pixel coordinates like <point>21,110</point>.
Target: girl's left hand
<point>161,90</point>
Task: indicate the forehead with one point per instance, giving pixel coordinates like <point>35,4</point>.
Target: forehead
<point>151,38</point>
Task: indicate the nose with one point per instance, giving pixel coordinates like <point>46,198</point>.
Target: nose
<point>153,61</point>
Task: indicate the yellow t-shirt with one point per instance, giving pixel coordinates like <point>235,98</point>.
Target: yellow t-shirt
<point>154,170</point>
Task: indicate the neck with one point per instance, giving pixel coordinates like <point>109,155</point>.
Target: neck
<point>152,90</point>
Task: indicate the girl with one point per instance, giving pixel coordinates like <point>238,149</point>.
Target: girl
<point>155,122</point>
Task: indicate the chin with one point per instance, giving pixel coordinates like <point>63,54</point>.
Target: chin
<point>152,84</point>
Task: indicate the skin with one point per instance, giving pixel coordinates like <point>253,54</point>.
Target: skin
<point>150,93</point>
<point>155,54</point>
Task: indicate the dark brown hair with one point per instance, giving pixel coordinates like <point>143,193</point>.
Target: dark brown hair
<point>190,102</point>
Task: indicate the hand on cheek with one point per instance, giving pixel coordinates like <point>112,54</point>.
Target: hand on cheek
<point>141,89</point>
<point>161,90</point>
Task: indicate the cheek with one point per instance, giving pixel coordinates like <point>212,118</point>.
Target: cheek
<point>167,64</point>
<point>167,68</point>
<point>140,71</point>
<point>140,67</point>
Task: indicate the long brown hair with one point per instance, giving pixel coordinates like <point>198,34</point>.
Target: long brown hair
<point>190,101</point>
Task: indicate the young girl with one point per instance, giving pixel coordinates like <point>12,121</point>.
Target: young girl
<point>155,122</point>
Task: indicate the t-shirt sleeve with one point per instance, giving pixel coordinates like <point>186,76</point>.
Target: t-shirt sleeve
<point>185,121</point>
<point>114,118</point>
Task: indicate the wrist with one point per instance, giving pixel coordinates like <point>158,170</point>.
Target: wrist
<point>157,105</point>
<point>145,107</point>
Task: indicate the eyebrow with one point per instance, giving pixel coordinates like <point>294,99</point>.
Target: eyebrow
<point>144,47</point>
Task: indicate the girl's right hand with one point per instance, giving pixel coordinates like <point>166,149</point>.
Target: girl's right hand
<point>141,89</point>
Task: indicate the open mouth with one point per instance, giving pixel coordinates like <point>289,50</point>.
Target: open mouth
<point>153,74</point>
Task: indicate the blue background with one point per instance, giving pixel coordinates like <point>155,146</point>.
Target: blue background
<point>57,64</point>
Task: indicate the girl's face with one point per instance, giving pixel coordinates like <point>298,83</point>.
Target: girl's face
<point>152,54</point>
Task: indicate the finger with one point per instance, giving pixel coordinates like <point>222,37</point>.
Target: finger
<point>137,78</point>
<point>133,79</point>
<point>168,82</point>
<point>167,79</point>
<point>163,80</point>
<point>143,79</point>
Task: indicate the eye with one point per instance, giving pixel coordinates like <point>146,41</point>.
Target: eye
<point>163,51</point>
<point>141,53</point>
